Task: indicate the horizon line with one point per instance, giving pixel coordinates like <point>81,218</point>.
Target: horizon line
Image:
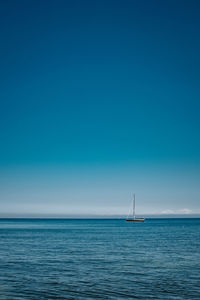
<point>93,216</point>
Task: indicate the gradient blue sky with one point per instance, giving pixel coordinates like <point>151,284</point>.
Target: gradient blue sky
<point>99,99</point>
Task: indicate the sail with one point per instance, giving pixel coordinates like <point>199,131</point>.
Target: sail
<point>131,215</point>
<point>134,206</point>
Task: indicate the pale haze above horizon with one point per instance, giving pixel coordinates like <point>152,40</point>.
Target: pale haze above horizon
<point>99,100</point>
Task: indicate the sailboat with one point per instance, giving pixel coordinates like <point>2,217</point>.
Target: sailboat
<point>133,218</point>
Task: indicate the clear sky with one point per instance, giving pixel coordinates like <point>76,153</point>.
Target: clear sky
<point>99,99</point>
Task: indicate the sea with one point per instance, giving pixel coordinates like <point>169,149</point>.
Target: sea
<point>99,259</point>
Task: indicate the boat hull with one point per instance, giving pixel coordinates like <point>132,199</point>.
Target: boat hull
<point>135,220</point>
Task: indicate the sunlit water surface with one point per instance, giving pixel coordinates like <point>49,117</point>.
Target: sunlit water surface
<point>105,259</point>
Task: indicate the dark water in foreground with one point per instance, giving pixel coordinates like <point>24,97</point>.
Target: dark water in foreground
<point>99,259</point>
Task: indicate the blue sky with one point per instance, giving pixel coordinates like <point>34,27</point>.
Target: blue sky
<point>99,99</point>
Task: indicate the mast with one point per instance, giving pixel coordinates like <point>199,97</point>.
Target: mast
<point>133,206</point>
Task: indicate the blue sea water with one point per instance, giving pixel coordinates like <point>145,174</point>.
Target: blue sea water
<point>99,259</point>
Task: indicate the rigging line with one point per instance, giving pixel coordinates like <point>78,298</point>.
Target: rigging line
<point>130,208</point>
